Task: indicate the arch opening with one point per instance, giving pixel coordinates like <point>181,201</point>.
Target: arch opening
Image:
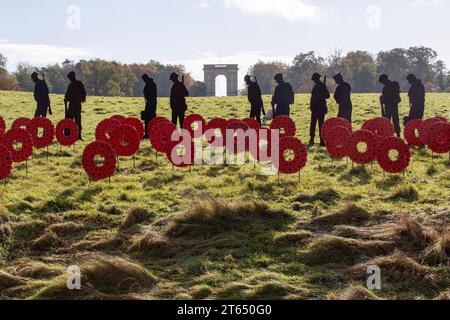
<point>221,86</point>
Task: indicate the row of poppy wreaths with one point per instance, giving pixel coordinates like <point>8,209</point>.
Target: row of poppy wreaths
<point>17,143</point>
<point>120,136</point>
<point>377,135</point>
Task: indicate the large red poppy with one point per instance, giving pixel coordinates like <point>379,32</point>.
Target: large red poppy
<point>238,129</point>
<point>360,157</point>
<point>263,151</point>
<point>440,138</point>
<point>177,158</point>
<point>338,139</point>
<point>300,157</point>
<point>21,123</point>
<point>161,136</point>
<point>411,133</point>
<point>21,136</point>
<point>334,122</point>
<point>119,118</point>
<point>136,124</point>
<point>199,121</point>
<point>5,162</point>
<point>426,129</point>
<point>67,132</point>
<point>381,127</point>
<point>93,169</point>
<point>252,123</point>
<point>286,126</point>
<point>105,128</point>
<point>403,158</point>
<point>48,132</point>
<point>125,141</point>
<point>215,125</point>
<point>153,122</point>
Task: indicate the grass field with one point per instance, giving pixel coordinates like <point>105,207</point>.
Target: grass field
<point>222,232</point>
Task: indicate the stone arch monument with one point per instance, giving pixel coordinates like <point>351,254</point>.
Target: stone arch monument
<point>230,71</point>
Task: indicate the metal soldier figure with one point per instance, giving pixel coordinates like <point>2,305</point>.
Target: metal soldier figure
<point>151,101</point>
<point>416,96</point>
<point>75,96</point>
<point>178,96</point>
<point>390,99</point>
<point>318,106</point>
<point>255,98</point>
<point>283,97</point>
<point>342,96</point>
<point>41,95</point>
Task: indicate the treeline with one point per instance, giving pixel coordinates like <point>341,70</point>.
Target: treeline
<point>360,68</point>
<point>102,78</point>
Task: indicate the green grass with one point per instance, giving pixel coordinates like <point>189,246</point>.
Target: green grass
<point>167,232</point>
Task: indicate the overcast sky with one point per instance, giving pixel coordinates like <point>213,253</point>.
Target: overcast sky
<point>195,32</point>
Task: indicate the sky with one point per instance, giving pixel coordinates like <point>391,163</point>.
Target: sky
<point>197,32</point>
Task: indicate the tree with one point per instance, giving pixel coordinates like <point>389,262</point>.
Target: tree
<point>7,81</point>
<point>265,72</point>
<point>441,75</point>
<point>23,76</point>
<point>334,62</point>
<point>302,69</point>
<point>360,70</point>
<point>421,61</point>
<point>198,89</point>
<point>396,64</point>
<point>3,61</point>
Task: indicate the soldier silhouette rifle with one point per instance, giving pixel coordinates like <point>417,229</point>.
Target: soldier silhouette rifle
<point>342,96</point>
<point>73,100</point>
<point>254,98</point>
<point>389,100</point>
<point>178,95</point>
<point>151,101</point>
<point>41,96</point>
<point>318,107</point>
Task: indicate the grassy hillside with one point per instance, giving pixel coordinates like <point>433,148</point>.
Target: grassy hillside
<point>222,231</point>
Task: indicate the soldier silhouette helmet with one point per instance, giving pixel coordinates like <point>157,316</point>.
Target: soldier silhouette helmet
<point>383,78</point>
<point>279,78</point>
<point>247,79</point>
<point>338,78</point>
<point>145,77</point>
<point>72,76</point>
<point>174,76</point>
<point>411,78</point>
<point>34,76</point>
<point>316,77</point>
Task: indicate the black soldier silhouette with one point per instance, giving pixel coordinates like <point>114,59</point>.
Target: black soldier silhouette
<point>41,95</point>
<point>416,99</point>
<point>283,97</point>
<point>75,96</point>
<point>318,106</point>
<point>255,98</point>
<point>178,96</point>
<point>342,96</point>
<point>151,101</point>
<point>390,99</point>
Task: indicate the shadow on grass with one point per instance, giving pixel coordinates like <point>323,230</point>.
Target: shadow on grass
<point>358,173</point>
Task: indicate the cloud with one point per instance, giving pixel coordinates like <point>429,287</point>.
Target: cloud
<point>424,3</point>
<point>291,10</point>
<point>39,54</point>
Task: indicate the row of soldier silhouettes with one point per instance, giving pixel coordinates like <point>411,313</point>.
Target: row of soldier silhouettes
<point>282,100</point>
<point>390,99</point>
